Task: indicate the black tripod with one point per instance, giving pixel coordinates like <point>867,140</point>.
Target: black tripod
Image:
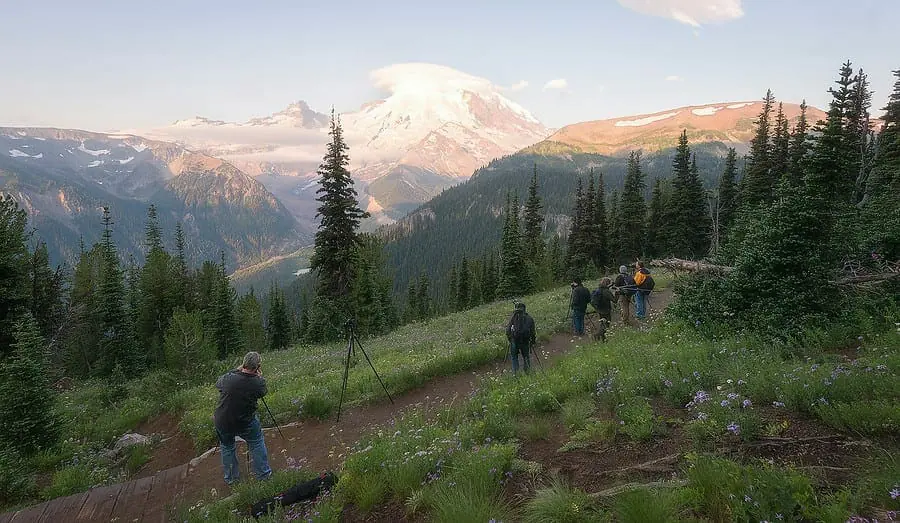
<point>352,343</point>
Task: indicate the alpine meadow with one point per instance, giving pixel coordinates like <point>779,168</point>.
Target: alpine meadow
<point>314,316</point>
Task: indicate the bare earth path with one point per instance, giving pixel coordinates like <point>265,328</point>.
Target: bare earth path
<point>314,445</point>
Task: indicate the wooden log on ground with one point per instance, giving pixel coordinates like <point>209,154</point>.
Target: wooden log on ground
<point>677,264</point>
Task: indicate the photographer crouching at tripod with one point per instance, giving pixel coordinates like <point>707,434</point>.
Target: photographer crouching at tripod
<point>235,415</point>
<point>520,332</point>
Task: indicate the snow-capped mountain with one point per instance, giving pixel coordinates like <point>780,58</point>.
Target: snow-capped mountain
<point>433,129</point>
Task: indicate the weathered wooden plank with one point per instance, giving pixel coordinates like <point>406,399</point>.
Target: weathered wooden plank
<point>31,514</point>
<point>130,504</point>
<point>162,494</point>
<point>65,509</point>
<point>100,503</point>
<point>6,517</point>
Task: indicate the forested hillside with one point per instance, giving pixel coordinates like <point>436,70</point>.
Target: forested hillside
<point>466,219</point>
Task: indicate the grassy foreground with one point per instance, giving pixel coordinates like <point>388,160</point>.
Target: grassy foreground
<point>729,394</point>
<point>304,382</point>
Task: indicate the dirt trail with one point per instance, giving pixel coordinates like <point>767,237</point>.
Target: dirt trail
<point>174,475</point>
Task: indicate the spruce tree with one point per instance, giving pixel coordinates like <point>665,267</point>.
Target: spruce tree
<point>577,246</point>
<point>656,223</point>
<point>83,336</point>
<point>726,201</point>
<point>27,420</point>
<point>758,183</point>
<point>278,326</point>
<point>412,303</point>
<point>424,297</point>
<point>186,344</point>
<point>180,272</point>
<point>463,284</point>
<point>880,233</point>
<point>340,216</point>
<point>117,347</point>
<point>250,324</point>
<point>555,256</point>
<point>14,290</point>
<point>860,147</point>
<point>533,222</point>
<point>615,229</point>
<point>633,209</point>
<point>158,289</point>
<point>450,297</point>
<point>46,289</point>
<point>226,337</point>
<point>601,253</point>
<point>511,266</point>
<point>781,155</point>
<point>799,148</point>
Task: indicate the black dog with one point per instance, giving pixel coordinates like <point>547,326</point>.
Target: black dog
<point>301,492</point>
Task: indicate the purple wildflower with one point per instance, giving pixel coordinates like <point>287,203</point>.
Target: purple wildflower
<point>746,403</point>
<point>701,396</point>
<point>667,383</point>
<point>895,493</point>
<point>724,403</point>
<point>734,428</point>
<point>777,404</point>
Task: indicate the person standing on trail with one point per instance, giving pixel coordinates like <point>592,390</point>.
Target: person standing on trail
<point>581,297</point>
<point>625,288</point>
<point>235,415</point>
<point>602,300</point>
<point>520,332</point>
<point>644,283</point>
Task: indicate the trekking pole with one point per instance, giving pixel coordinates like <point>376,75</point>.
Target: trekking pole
<point>273,418</point>
<point>538,359</point>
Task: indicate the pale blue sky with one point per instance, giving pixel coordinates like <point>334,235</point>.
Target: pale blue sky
<point>104,65</point>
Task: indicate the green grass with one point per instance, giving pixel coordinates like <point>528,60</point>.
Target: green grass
<point>559,503</point>
<point>463,455</point>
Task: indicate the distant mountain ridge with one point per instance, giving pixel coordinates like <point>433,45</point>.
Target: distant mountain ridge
<point>730,123</point>
<point>433,130</point>
<point>63,178</point>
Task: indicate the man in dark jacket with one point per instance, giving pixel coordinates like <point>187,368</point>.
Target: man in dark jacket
<point>602,301</point>
<point>239,390</point>
<point>625,288</point>
<point>580,299</point>
<point>520,332</point>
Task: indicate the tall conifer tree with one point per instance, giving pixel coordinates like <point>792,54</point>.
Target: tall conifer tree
<point>758,183</point>
<point>633,209</point>
<point>340,217</point>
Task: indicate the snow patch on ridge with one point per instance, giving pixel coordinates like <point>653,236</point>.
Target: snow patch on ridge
<point>15,153</point>
<point>645,121</point>
<point>141,147</point>
<point>99,152</point>
<point>706,111</point>
<point>738,106</point>
<point>126,160</point>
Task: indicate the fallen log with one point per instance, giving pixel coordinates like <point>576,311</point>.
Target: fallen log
<point>867,278</point>
<point>677,264</point>
<point>628,487</point>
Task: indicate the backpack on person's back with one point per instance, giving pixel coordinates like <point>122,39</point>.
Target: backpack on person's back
<point>519,330</point>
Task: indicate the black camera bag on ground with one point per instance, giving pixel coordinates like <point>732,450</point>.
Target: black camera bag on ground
<point>305,491</point>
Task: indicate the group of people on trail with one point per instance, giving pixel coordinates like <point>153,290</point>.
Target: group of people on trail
<point>625,287</point>
<point>520,330</point>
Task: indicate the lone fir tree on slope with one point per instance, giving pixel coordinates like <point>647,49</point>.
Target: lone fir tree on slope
<point>340,213</point>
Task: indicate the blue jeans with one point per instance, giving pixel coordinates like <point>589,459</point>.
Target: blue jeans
<point>514,350</point>
<point>578,322</point>
<point>253,435</point>
<point>640,305</point>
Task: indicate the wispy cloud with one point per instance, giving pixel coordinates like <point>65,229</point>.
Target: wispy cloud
<point>674,78</point>
<point>518,86</point>
<point>559,83</point>
<point>689,12</point>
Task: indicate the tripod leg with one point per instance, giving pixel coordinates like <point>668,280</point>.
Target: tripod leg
<point>346,373</point>
<point>366,354</point>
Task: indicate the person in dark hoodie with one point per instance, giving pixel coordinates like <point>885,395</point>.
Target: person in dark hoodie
<point>581,297</point>
<point>625,288</point>
<point>602,301</point>
<point>520,332</point>
<point>235,415</point>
